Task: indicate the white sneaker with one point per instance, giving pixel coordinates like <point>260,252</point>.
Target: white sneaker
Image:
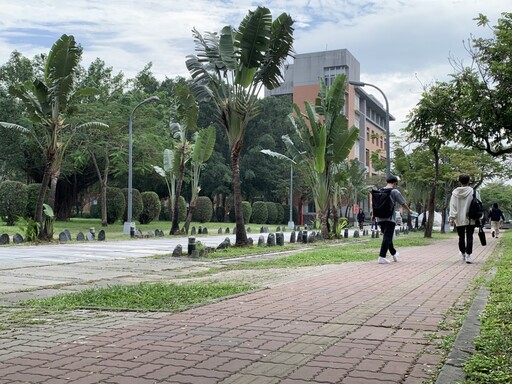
<point>395,257</point>
<point>463,256</point>
<point>383,260</point>
<point>467,259</point>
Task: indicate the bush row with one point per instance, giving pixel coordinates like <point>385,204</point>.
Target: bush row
<point>18,199</point>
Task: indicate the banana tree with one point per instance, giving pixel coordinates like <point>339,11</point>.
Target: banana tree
<point>231,68</point>
<point>47,101</point>
<point>168,170</point>
<point>202,151</point>
<point>324,141</point>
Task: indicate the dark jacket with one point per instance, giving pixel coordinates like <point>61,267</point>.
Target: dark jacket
<point>496,215</point>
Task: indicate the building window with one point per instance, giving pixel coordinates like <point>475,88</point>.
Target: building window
<point>356,149</point>
<point>367,159</point>
<point>356,102</point>
<point>367,134</point>
<point>373,137</point>
<point>381,142</point>
<point>331,72</point>
<point>356,122</point>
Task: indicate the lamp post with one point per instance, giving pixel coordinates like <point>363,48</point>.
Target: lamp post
<point>290,222</point>
<point>388,144</point>
<point>129,225</point>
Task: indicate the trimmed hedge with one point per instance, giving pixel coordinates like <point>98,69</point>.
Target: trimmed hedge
<point>203,211</point>
<point>137,204</point>
<point>271,212</point>
<point>259,212</point>
<point>280,214</point>
<point>247,211</point>
<point>152,207</point>
<point>116,204</point>
<point>13,200</point>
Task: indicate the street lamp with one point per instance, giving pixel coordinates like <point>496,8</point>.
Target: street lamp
<point>388,144</point>
<point>290,222</point>
<point>129,225</point>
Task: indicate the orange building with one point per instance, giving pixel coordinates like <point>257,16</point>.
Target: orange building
<point>301,81</point>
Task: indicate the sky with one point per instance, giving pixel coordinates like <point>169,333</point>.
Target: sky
<point>402,45</point>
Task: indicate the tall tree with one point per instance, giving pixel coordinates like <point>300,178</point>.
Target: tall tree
<point>481,92</point>
<point>428,124</point>
<point>234,66</point>
<point>47,101</point>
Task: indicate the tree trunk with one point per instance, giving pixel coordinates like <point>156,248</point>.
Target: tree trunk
<point>54,178</point>
<point>188,220</point>
<point>432,198</point>
<point>322,216</point>
<point>241,234</point>
<point>335,219</point>
<point>103,180</point>
<point>175,228</point>
<point>65,199</point>
<point>40,198</point>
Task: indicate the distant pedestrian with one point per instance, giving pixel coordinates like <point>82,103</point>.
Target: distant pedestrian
<point>459,208</point>
<point>496,217</point>
<point>387,224</point>
<point>360,219</point>
<point>374,225</point>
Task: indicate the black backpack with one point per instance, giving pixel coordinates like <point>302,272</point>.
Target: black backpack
<point>476,208</point>
<point>382,203</point>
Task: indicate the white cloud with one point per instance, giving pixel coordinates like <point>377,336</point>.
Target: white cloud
<point>400,44</point>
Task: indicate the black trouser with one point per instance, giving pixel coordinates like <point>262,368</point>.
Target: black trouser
<point>388,229</point>
<point>465,233</point>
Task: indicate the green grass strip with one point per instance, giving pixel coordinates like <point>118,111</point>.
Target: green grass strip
<point>141,297</point>
<point>492,362</point>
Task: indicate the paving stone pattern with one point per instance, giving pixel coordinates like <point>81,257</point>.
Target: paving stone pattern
<point>353,323</point>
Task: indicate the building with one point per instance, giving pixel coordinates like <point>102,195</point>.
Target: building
<point>301,81</point>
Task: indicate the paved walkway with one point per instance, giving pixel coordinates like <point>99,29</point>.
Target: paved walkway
<point>352,323</point>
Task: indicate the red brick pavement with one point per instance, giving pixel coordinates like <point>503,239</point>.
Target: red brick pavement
<point>360,323</point>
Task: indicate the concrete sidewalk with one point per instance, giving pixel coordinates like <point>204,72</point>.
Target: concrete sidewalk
<point>353,323</point>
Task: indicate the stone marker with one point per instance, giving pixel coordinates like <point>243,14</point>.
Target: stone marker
<point>271,240</point>
<point>90,236</point>
<point>261,241</point>
<point>178,250</point>
<point>292,237</point>
<point>17,239</point>
<point>280,238</point>
<point>101,235</point>
<point>4,239</point>
<point>80,236</point>
<point>205,231</point>
<point>63,237</point>
<point>68,234</point>
<point>193,231</point>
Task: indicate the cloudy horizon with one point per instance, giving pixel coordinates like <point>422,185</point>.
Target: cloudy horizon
<point>401,45</point>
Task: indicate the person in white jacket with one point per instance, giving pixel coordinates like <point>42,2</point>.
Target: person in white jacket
<point>459,207</point>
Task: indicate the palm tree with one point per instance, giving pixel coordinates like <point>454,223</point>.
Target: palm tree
<point>231,68</point>
<point>202,150</point>
<point>47,101</point>
<point>184,112</point>
<point>324,142</point>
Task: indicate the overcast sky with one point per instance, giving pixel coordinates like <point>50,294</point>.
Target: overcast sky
<point>401,44</point>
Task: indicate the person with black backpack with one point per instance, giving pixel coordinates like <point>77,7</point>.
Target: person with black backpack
<point>461,203</point>
<point>496,217</point>
<point>383,205</point>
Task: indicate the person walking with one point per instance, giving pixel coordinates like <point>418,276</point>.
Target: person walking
<point>387,224</point>
<point>360,219</point>
<point>495,216</point>
<point>458,216</point>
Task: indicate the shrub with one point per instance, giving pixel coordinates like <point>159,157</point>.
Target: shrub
<point>13,200</point>
<point>152,206</point>
<point>280,214</point>
<point>259,212</point>
<point>116,204</point>
<point>247,211</point>
<point>271,212</point>
<point>137,205</point>
<point>203,211</point>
